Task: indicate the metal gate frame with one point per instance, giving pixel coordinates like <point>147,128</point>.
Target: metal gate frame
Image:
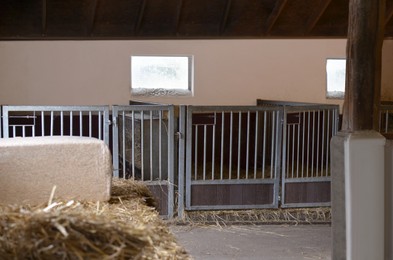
<point>102,111</point>
<point>332,129</point>
<point>186,116</point>
<point>119,113</point>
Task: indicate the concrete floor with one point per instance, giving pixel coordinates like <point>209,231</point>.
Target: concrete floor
<point>255,241</point>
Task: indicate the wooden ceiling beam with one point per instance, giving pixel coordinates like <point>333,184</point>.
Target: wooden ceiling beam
<point>223,23</point>
<point>43,21</point>
<point>315,16</point>
<point>141,13</point>
<point>389,15</point>
<point>280,4</point>
<point>93,17</point>
<point>178,16</point>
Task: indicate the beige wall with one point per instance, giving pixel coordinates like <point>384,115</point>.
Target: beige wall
<point>232,72</point>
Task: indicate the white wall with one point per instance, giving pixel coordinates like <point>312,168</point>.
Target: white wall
<point>235,72</point>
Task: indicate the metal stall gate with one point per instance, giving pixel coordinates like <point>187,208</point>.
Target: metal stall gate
<point>386,119</point>
<point>232,157</point>
<point>307,132</point>
<point>25,121</point>
<point>143,149</point>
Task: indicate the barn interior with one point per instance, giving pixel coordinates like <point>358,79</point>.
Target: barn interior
<point>58,53</point>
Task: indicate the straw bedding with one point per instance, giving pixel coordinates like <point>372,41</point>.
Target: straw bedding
<point>126,227</point>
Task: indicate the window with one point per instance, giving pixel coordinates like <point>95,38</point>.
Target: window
<point>335,70</point>
<point>162,75</point>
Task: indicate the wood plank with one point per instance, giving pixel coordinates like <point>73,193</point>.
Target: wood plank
<point>315,16</point>
<point>225,16</point>
<point>280,4</point>
<point>307,192</point>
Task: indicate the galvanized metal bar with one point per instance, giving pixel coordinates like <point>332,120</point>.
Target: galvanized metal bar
<point>90,123</point>
<point>42,123</point>
<point>61,123</point>
<point>204,152</point>
<point>264,144</point>
<point>312,147</point>
<point>277,166</point>
<point>297,149</point>
<point>248,143</point>
<point>256,143</point>
<point>133,144</point>
<point>303,141</point>
<point>196,154</point>
<point>323,141</point>
<point>222,146</point>
<point>151,144</point>
<point>272,145</point>
<point>23,130</point>
<point>80,123</point>
<point>99,125</point>
<point>233,181</point>
<point>123,145</point>
<point>14,131</point>
<point>317,153</point>
<point>71,122</point>
<point>308,142</point>
<point>189,138</point>
<point>107,122</point>
<point>230,144</point>
<point>328,141</point>
<point>160,145</point>
<point>51,123</point>
<point>214,144</point>
<point>115,142</point>
<point>171,160</point>
<point>33,130</point>
<point>239,144</point>
<point>181,162</point>
<point>284,154</point>
<point>292,127</point>
<point>142,145</point>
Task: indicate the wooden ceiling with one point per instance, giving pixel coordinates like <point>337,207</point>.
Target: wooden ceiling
<point>176,19</point>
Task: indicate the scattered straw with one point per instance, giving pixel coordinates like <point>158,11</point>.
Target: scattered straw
<point>123,228</point>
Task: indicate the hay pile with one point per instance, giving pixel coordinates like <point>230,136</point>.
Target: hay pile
<point>260,216</point>
<point>124,228</point>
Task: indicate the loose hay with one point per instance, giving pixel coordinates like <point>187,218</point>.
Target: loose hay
<point>260,216</point>
<point>124,228</point>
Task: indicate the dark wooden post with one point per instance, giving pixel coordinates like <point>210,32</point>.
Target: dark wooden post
<point>363,75</point>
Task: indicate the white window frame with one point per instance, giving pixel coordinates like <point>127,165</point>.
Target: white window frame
<point>331,84</point>
<point>159,92</point>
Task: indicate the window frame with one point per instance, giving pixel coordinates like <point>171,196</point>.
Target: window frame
<point>162,92</point>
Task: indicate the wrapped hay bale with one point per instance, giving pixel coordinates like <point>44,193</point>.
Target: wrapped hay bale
<point>123,228</point>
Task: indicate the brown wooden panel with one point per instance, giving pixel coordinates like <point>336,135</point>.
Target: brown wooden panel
<point>231,194</point>
<point>307,192</point>
<point>160,194</point>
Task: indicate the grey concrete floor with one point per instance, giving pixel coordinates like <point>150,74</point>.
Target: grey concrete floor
<point>255,241</point>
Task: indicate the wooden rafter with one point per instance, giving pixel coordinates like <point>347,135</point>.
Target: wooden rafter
<point>43,21</point>
<point>280,4</point>
<point>224,20</point>
<point>388,15</point>
<point>315,16</point>
<point>178,15</point>
<point>141,13</point>
<point>92,20</point>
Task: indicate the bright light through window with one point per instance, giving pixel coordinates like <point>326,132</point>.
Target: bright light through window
<point>161,75</point>
<point>335,69</point>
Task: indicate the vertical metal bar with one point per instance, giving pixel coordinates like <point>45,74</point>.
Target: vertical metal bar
<point>256,144</point>
<point>386,120</point>
<point>239,145</point>
<point>284,154</point>
<point>312,146</point>
<point>13,131</point>
<point>278,144</point>
<point>133,143</point>
<point>42,123</point>
<point>303,141</point>
<point>5,122</point>
<point>123,144</point>
<point>51,123</point>
<point>204,151</point>
<point>264,143</point>
<point>80,123</point>
<point>297,149</point>
<point>99,125</point>
<point>292,126</point>
<point>107,122</point>
<point>317,153</point>
<point>222,146</point>
<point>90,123</point>
<point>142,145</point>
<point>115,142</point>
<point>214,143</point>
<point>327,143</point>
<point>196,154</point>
<point>23,130</point>
<point>151,144</point>
<point>188,156</point>
<point>61,123</point>
<point>230,144</point>
<point>171,168</point>
<point>308,141</point>
<point>160,144</point>
<point>323,141</point>
<point>33,130</point>
<point>71,126</point>
<point>181,168</point>
<point>272,153</point>
<point>247,142</point>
